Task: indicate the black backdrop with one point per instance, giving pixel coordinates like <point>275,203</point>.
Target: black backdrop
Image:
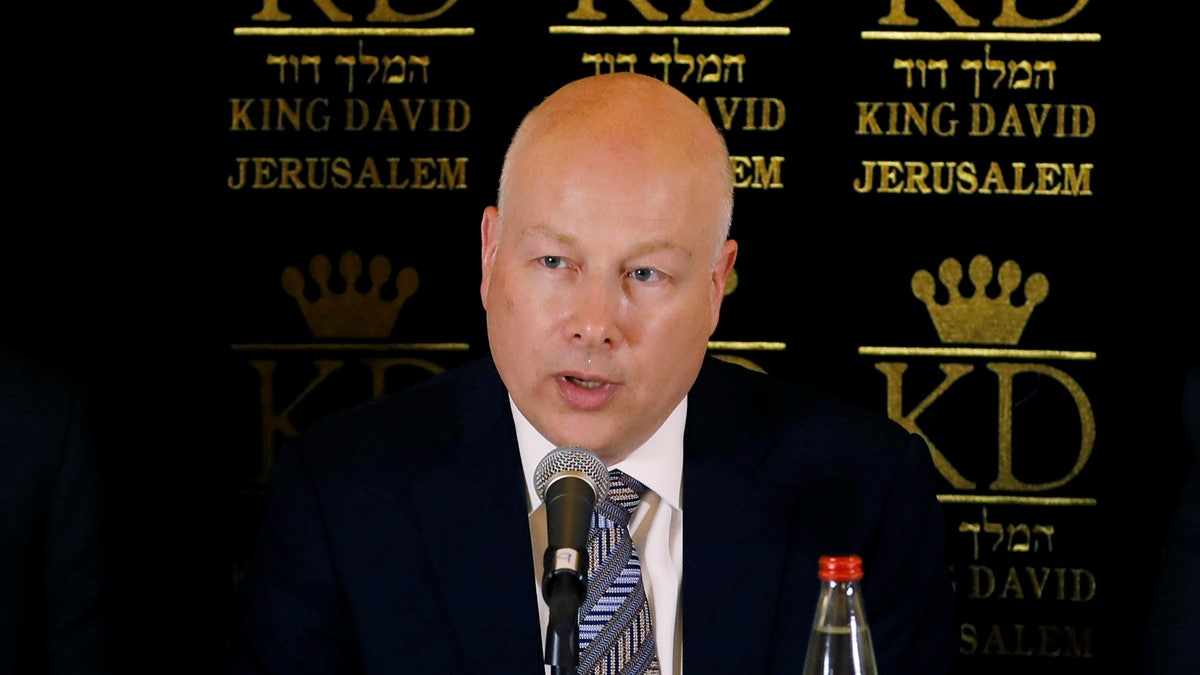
<point>144,269</point>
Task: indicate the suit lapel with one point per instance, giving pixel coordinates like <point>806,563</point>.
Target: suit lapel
<point>734,532</point>
<point>475,515</point>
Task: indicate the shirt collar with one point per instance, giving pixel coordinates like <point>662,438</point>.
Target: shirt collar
<point>657,464</point>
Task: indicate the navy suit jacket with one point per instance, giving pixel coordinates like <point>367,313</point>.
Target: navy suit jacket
<point>1172,634</point>
<point>52,577</point>
<point>396,536</point>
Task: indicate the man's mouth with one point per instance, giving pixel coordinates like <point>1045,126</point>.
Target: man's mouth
<point>586,384</point>
<point>585,393</point>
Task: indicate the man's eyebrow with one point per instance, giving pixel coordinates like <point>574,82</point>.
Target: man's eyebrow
<point>548,233</point>
<point>646,248</point>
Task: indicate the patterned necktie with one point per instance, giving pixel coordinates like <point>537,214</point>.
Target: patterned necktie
<point>616,635</point>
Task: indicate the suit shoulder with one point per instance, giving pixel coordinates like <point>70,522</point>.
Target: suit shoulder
<point>785,403</point>
<point>438,410</point>
<point>37,399</point>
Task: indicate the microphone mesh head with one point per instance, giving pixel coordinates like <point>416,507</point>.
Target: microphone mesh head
<point>573,460</point>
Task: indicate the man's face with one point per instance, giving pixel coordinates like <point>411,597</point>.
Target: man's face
<point>602,290</point>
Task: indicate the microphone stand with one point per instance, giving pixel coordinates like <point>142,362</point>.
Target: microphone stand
<point>563,586</point>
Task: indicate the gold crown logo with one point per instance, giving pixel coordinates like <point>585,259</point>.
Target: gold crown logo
<point>350,313</point>
<point>979,318</point>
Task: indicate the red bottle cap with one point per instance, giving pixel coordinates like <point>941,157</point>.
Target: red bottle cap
<point>840,568</point>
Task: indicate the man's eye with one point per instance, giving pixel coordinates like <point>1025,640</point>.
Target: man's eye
<point>552,261</point>
<point>645,274</point>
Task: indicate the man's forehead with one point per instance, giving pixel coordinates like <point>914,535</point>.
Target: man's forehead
<point>651,242</point>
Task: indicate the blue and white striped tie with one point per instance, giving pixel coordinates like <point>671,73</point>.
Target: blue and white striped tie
<point>616,634</point>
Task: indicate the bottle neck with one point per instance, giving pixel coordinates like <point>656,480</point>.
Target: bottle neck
<point>840,604</point>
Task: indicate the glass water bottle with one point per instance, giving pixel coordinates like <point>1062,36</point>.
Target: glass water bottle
<point>840,643</point>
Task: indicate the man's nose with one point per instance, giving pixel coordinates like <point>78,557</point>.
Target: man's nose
<point>594,312</point>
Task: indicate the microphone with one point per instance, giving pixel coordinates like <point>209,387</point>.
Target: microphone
<point>570,481</point>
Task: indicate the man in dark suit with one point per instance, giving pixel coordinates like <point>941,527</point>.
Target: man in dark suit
<point>53,581</point>
<point>1172,635</point>
<point>398,536</point>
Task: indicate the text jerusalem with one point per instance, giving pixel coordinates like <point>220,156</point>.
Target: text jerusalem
<point>346,173</point>
<point>922,177</point>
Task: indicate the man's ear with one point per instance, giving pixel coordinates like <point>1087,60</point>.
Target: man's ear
<point>489,236</point>
<point>720,276</point>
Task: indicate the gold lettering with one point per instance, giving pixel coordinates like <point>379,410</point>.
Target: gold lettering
<point>937,178</point>
<point>937,120</point>
<point>1010,17</point>
<point>1011,123</point>
<point>352,105</point>
<point>767,174</point>
<point>276,422</point>
<point>893,119</point>
<point>271,11</point>
<point>386,119</point>
<point>436,114</point>
<point>458,108</point>
<point>241,174</point>
<point>864,183</point>
<point>728,113</point>
<point>766,123</point>
<point>262,172</point>
<point>981,573</point>
<point>968,182</point>
<point>384,13</point>
<point>1076,123</point>
<point>750,103</point>
<point>1083,579</point>
<point>993,177</point>
<point>342,176</point>
<point>587,12</point>
<point>978,129</point>
<point>1035,120</point>
<point>412,115</point>
<point>916,173</point>
<point>452,177</point>
<point>1006,372</point>
<point>1050,641</point>
<point>1039,585</point>
<point>241,114</point>
<point>698,11</point>
<point>289,111</point>
<point>899,17</point>
<point>921,119</point>
<point>995,642</point>
<point>740,165</point>
<point>368,176</point>
<point>313,181</point>
<point>1012,584</point>
<point>867,123</point>
<point>394,180</point>
<point>1047,175</point>
<point>422,173</point>
<point>1018,173</point>
<point>969,638</point>
<point>1077,184</point>
<point>289,173</point>
<point>888,180</point>
<point>894,372</point>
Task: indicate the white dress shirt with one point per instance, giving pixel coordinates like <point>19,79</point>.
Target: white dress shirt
<point>656,526</point>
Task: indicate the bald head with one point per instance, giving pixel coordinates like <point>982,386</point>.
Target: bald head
<point>634,121</point>
<point>605,263</point>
